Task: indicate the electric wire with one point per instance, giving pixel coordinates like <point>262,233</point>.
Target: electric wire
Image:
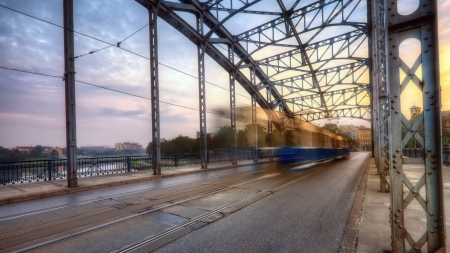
<point>117,45</point>
<point>113,45</point>
<point>30,72</point>
<point>106,88</point>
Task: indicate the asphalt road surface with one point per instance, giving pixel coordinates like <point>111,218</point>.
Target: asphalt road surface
<point>308,216</point>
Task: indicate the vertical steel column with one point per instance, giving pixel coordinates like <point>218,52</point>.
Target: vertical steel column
<point>154,86</point>
<point>255,126</point>
<point>255,129</point>
<point>436,222</point>
<point>380,89</point>
<point>396,171</point>
<point>421,25</point>
<point>202,99</point>
<point>269,124</point>
<point>69,77</point>
<point>232,75</point>
<point>373,80</point>
<point>283,129</point>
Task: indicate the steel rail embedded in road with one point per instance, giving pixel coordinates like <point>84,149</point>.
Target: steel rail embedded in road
<point>85,231</point>
<point>118,195</point>
<point>174,229</point>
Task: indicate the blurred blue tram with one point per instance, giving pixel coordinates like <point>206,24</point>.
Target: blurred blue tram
<point>303,155</point>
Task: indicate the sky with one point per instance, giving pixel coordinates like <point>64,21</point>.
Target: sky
<point>32,108</point>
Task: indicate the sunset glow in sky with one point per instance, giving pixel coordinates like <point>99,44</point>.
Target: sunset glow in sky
<point>32,107</point>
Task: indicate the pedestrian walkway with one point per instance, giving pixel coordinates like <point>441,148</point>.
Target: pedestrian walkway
<point>374,229</point>
<point>36,190</point>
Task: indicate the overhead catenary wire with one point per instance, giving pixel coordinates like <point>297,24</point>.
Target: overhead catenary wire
<point>113,45</point>
<point>105,88</point>
<point>117,45</point>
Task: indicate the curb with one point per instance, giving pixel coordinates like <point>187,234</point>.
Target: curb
<point>350,239</point>
<point>66,190</point>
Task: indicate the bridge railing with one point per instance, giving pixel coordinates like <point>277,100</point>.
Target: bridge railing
<point>413,152</point>
<point>50,169</point>
<point>418,153</point>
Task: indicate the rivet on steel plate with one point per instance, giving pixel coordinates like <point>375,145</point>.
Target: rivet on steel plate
<point>400,210</point>
<point>429,172</point>
<point>432,231</point>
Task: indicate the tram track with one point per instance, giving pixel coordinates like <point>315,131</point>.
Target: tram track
<point>119,220</point>
<point>174,229</point>
<point>155,203</point>
<point>121,195</point>
<point>98,211</point>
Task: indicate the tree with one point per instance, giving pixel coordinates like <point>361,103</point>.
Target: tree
<point>331,127</point>
<point>54,153</point>
<point>11,155</point>
<point>36,151</point>
<point>446,129</point>
<point>352,143</point>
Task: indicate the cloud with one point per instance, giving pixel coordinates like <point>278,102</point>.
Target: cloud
<point>32,109</point>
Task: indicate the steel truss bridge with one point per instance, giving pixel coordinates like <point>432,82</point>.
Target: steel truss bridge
<point>310,60</point>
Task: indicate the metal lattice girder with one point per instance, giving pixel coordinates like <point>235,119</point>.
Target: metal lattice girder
<point>275,30</point>
<point>324,51</point>
<point>168,15</point>
<point>348,74</point>
<point>362,112</point>
<point>420,25</point>
<point>351,96</point>
<point>154,87</point>
<point>313,54</point>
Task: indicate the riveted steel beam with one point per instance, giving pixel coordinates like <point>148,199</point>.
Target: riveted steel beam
<point>420,25</point>
<point>154,87</point>
<point>69,78</point>
<point>232,76</point>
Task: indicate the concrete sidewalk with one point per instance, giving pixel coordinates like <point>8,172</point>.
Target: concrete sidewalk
<point>374,229</point>
<point>36,190</point>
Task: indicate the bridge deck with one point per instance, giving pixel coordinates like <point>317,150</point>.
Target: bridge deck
<point>36,190</point>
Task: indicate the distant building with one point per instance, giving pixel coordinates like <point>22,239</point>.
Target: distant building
<point>365,138</point>
<point>46,150</point>
<point>415,111</point>
<point>119,146</point>
<point>128,146</point>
